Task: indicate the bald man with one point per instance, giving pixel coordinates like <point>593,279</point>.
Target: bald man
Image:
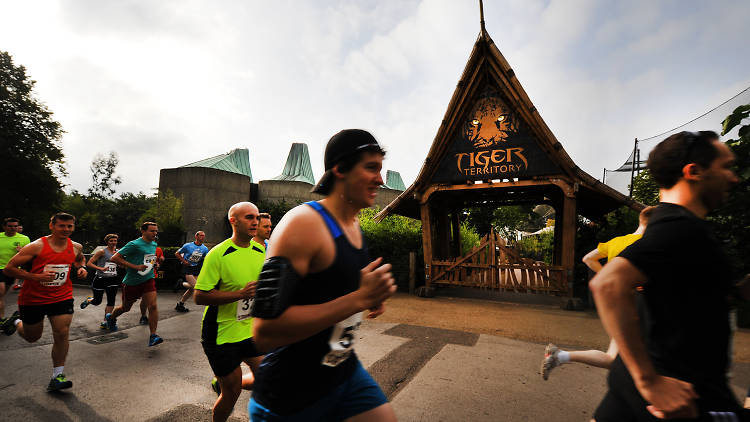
<point>226,285</point>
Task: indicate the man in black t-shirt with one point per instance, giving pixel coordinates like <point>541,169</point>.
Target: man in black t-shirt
<point>673,351</point>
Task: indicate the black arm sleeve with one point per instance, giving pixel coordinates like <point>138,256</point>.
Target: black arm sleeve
<point>276,284</point>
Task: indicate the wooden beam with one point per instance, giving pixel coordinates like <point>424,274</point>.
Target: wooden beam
<point>569,240</point>
<point>426,243</point>
<point>564,184</point>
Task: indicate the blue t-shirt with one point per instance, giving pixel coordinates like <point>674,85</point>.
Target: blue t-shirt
<point>138,252</point>
<point>193,253</point>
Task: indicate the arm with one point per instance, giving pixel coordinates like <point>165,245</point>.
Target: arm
<point>178,254</point>
<point>218,297</point>
<point>743,288</point>
<point>95,257</point>
<point>612,288</point>
<point>592,260</point>
<point>80,262</point>
<point>119,260</point>
<point>26,254</point>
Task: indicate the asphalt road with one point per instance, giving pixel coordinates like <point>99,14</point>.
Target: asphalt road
<point>430,373</point>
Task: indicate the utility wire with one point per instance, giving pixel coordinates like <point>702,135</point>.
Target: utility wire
<point>702,115</point>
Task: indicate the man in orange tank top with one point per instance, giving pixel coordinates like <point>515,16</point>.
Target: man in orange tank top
<point>47,290</point>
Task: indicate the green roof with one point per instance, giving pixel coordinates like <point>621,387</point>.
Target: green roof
<point>235,161</point>
<point>393,181</point>
<point>297,167</point>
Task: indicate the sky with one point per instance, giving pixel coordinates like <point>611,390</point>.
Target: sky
<point>166,83</point>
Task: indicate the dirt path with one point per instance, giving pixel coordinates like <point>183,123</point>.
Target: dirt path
<point>535,323</point>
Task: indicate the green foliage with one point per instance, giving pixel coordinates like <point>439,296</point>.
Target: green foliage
<point>507,220</point>
<point>645,189</point>
<point>30,149</point>
<point>166,211</point>
<point>469,237</point>
<point>539,247</point>
<point>277,209</point>
<point>103,175</point>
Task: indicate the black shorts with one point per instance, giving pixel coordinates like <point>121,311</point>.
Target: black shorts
<point>225,358</point>
<point>6,279</point>
<point>191,270</point>
<point>101,283</point>
<point>32,314</point>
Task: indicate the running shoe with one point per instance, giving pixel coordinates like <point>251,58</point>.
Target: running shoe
<point>103,325</point>
<point>16,287</point>
<point>9,324</point>
<point>85,303</point>
<point>154,340</point>
<point>59,383</point>
<point>111,322</point>
<point>144,320</point>
<point>550,360</point>
<point>181,307</point>
<point>215,386</point>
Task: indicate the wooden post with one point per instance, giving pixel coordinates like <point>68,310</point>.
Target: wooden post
<point>569,239</point>
<point>456,226</point>
<point>412,271</point>
<point>427,244</point>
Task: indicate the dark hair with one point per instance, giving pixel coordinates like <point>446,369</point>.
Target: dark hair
<point>110,236</point>
<point>11,220</point>
<point>667,159</point>
<point>347,163</point>
<point>264,215</point>
<point>145,225</point>
<point>64,216</point>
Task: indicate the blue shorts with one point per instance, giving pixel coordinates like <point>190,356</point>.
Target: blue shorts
<point>356,395</point>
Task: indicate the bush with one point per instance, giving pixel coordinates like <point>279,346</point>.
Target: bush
<point>539,247</point>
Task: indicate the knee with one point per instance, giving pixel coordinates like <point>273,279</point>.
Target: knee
<point>126,306</point>
<point>96,301</point>
<point>152,307</point>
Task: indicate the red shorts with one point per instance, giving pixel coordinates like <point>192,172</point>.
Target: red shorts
<point>133,293</point>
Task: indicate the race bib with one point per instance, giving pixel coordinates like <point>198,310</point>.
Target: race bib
<point>342,340</point>
<point>243,308</point>
<point>61,274</point>
<point>110,268</point>
<point>195,256</point>
<point>149,259</point>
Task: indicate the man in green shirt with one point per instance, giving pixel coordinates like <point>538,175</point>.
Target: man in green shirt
<point>226,285</point>
<point>10,243</point>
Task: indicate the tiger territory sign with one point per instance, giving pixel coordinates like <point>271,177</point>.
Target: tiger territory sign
<point>493,143</point>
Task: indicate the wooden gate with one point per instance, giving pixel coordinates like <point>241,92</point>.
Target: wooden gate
<point>493,265</point>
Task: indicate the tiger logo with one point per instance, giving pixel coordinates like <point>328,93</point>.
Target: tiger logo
<point>490,123</point>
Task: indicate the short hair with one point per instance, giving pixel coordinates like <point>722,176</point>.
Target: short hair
<point>110,236</point>
<point>145,225</point>
<point>264,215</point>
<point>670,156</point>
<point>199,231</point>
<point>646,213</point>
<point>11,220</point>
<point>64,216</point>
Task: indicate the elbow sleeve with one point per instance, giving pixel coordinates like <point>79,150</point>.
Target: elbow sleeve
<point>276,285</point>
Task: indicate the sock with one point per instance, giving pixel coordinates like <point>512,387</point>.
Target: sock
<point>563,356</point>
<point>57,370</point>
<point>16,322</point>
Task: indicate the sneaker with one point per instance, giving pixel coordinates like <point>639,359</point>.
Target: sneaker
<point>215,386</point>
<point>85,303</point>
<point>111,322</point>
<point>550,360</point>
<point>9,324</point>
<point>186,285</point>
<point>144,320</point>
<point>103,325</point>
<point>154,340</point>
<point>59,383</point>
<point>181,307</point>
<point>16,287</point>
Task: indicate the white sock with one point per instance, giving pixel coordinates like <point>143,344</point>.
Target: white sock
<point>16,322</point>
<point>563,357</point>
<point>57,370</point>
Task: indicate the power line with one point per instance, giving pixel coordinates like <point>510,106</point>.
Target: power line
<point>702,115</point>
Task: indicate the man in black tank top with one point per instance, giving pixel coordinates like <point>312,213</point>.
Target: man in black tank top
<point>311,372</point>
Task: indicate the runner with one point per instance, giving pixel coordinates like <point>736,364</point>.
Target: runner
<point>157,264</point>
<point>139,257</point>
<point>10,243</point>
<point>47,290</point>
<point>315,285</point>
<point>191,257</point>
<point>106,279</point>
<point>673,359</point>
<point>264,229</point>
<point>19,282</point>
<point>553,356</point>
<point>226,285</point>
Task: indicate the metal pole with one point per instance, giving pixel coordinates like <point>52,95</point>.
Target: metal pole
<point>632,167</point>
<point>604,175</point>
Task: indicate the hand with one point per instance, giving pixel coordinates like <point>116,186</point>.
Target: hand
<point>376,311</point>
<point>248,292</point>
<point>82,273</point>
<point>670,398</point>
<point>46,276</point>
<point>140,267</point>
<point>185,263</point>
<point>376,284</point>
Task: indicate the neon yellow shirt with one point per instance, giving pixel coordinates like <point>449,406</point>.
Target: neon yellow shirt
<point>8,246</point>
<point>228,267</point>
<point>613,248</point>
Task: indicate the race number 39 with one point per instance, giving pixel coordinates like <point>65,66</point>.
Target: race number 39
<point>243,308</point>
<point>341,342</point>
<point>61,274</point>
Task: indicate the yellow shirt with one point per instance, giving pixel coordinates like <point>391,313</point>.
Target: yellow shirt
<point>613,248</point>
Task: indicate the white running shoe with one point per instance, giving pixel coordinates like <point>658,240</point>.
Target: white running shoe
<point>550,360</point>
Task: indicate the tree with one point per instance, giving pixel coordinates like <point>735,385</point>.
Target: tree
<point>30,150</point>
<point>645,189</point>
<point>166,211</point>
<point>103,175</point>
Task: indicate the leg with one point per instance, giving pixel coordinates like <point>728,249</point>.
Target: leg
<point>30,332</point>
<point>2,297</point>
<point>597,357</point>
<point>384,412</point>
<point>60,332</point>
<point>124,307</point>
<point>144,308</point>
<point>231,385</point>
<point>97,298</point>
<point>111,298</point>
<point>249,379</point>
<point>149,299</point>
<point>189,279</point>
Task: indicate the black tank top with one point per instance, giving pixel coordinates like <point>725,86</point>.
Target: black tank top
<point>295,376</point>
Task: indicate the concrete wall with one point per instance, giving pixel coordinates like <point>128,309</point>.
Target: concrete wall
<point>207,195</point>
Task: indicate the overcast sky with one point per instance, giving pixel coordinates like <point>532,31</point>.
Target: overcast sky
<point>165,83</point>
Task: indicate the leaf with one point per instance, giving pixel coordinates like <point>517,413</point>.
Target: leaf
<point>735,118</point>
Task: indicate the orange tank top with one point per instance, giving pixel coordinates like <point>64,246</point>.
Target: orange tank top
<point>61,287</point>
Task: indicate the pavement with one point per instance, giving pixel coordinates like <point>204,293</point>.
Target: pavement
<point>428,373</point>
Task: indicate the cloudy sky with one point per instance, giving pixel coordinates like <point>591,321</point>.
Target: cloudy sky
<point>165,83</point>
